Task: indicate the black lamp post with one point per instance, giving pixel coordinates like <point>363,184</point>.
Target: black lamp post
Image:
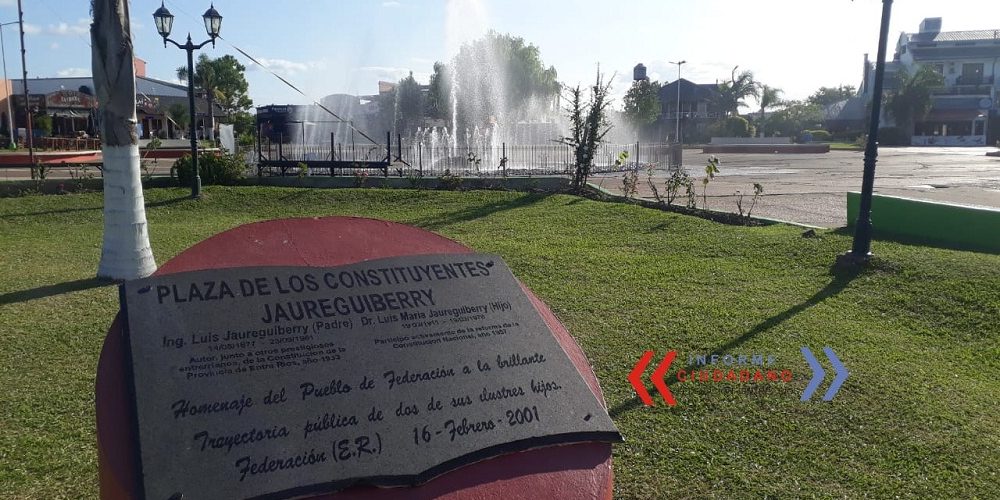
<point>213,23</point>
<point>861,249</point>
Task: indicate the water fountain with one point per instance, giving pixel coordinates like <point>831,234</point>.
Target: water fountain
<point>485,126</point>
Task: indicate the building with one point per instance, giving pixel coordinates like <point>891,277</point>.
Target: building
<point>698,109</point>
<point>72,106</point>
<point>965,111</point>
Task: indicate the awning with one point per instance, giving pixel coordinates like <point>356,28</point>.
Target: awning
<point>68,112</point>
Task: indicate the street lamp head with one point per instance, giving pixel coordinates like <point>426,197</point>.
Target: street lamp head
<point>164,22</point>
<point>213,22</point>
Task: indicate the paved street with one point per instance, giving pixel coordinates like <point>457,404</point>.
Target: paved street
<point>811,188</point>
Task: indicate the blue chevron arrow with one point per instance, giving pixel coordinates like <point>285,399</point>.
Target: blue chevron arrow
<point>818,374</point>
<point>841,374</point>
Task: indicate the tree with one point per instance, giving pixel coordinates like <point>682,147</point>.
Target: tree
<point>125,251</point>
<point>231,85</point>
<point>409,105</point>
<point>500,75</point>
<point>733,92</point>
<point>222,81</point>
<point>911,101</point>
<point>438,105</point>
<point>206,81</point>
<point>588,126</point>
<point>767,97</point>
<point>732,126</point>
<point>178,113</point>
<point>794,117</point>
<point>642,103</point>
<point>826,96</point>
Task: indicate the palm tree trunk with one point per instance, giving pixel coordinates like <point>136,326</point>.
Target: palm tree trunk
<point>125,253</point>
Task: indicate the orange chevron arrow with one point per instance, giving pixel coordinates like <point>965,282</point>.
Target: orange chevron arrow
<point>658,378</point>
<point>635,378</point>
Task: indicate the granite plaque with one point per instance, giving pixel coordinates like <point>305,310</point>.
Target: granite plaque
<point>280,381</point>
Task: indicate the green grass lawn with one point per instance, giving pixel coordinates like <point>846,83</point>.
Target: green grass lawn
<point>845,146</point>
<point>919,332</point>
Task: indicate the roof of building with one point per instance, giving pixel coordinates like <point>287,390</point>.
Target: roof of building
<point>143,85</point>
<point>955,36</point>
<point>690,91</point>
<point>853,109</point>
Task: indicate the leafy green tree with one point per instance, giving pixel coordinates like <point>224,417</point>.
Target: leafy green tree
<point>767,97</point>
<point>525,80</point>
<point>438,102</point>
<point>642,103</point>
<point>231,85</point>
<point>409,105</point>
<point>732,93</point>
<point>43,122</point>
<point>178,113</point>
<point>826,96</point>
<point>733,126</point>
<point>243,123</point>
<point>204,79</point>
<point>911,101</point>
<point>222,81</point>
<point>795,117</point>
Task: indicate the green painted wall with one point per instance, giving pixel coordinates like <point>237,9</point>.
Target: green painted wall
<point>951,225</point>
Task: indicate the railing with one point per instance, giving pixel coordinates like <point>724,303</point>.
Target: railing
<point>63,143</point>
<point>693,114</point>
<point>411,158</point>
<point>974,80</point>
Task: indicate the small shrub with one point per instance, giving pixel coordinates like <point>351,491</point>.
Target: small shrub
<point>415,181</point>
<point>733,126</point>
<point>360,179</point>
<point>758,191</point>
<point>450,181</point>
<point>650,170</point>
<point>679,179</point>
<point>215,169</point>
<point>303,169</point>
<point>820,135</point>
<point>711,169</point>
<point>630,183</point>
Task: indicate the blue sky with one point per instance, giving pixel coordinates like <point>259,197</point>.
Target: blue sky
<point>332,46</point>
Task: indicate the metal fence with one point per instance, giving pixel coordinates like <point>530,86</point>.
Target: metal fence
<point>414,158</point>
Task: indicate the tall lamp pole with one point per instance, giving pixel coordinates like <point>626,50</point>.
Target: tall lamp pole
<point>10,110</point>
<point>861,249</point>
<point>213,23</point>
<point>677,130</point>
<point>24,80</point>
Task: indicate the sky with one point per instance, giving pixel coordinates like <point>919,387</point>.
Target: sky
<point>347,46</point>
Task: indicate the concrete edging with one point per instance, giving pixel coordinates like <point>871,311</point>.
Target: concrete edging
<point>958,226</point>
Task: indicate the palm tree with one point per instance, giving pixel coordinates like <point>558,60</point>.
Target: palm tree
<point>125,253</point>
<point>206,80</point>
<point>767,97</point>
<point>911,101</point>
<point>733,92</point>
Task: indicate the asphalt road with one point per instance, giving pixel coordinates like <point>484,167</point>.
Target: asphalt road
<point>811,188</point>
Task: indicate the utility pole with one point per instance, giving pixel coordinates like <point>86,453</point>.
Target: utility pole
<point>677,131</point>
<point>27,106</point>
